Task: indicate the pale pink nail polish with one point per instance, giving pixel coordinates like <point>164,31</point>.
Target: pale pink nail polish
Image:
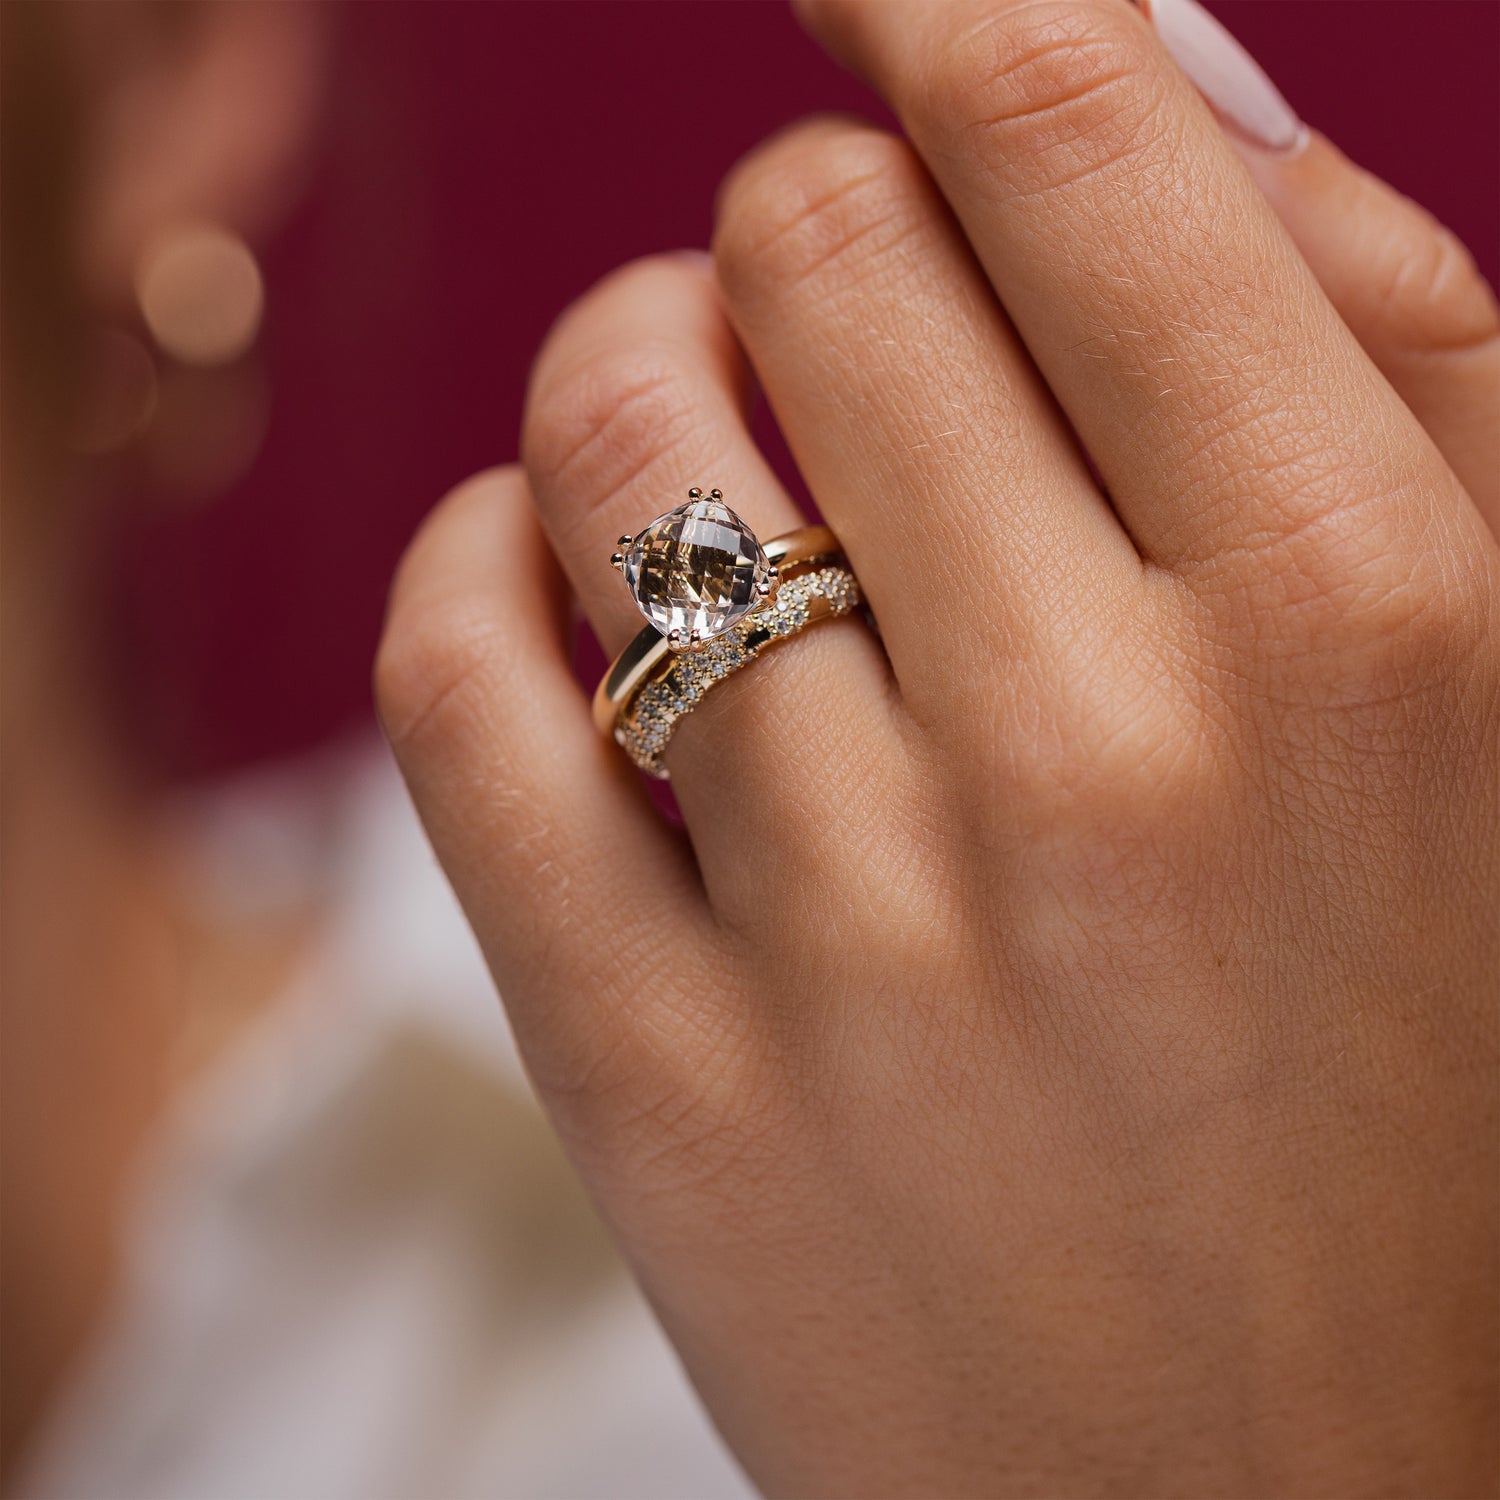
<point>1226,75</point>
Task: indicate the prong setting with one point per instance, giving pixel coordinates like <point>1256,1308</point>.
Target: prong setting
<point>696,570</point>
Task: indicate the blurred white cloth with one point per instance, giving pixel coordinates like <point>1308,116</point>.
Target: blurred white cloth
<point>359,1266</point>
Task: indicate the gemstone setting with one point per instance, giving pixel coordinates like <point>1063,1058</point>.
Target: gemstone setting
<point>645,725</point>
<point>697,571</point>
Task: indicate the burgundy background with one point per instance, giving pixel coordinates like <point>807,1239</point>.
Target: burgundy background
<point>481,164</point>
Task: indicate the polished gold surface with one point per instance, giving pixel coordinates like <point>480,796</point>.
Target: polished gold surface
<point>649,650</point>
<point>653,684</point>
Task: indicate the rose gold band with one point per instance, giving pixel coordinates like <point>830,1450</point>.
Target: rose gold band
<point>650,686</point>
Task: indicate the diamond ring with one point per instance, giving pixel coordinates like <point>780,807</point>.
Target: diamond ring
<point>715,599</point>
<point>696,571</point>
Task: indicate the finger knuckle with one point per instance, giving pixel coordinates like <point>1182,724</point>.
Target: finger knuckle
<point>813,203</point>
<point>1418,623</point>
<point>432,660</point>
<point>1427,293</point>
<point>1359,605</point>
<point>610,420</point>
<point>1057,90</point>
<point>1281,478</point>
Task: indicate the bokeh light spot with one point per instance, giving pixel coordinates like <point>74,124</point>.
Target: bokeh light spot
<point>200,293</point>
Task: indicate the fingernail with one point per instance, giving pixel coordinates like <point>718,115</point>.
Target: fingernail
<point>1226,75</point>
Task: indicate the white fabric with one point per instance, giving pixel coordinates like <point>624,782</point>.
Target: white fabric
<point>359,1268</point>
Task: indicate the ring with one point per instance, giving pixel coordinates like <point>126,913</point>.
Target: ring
<point>715,598</point>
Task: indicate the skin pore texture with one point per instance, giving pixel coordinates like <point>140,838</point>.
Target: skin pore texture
<point>1058,1053</point>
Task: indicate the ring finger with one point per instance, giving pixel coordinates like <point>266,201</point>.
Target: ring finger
<point>639,393</point>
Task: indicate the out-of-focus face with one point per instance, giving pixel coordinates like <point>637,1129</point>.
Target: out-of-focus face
<point>122,123</point>
<point>146,145</point>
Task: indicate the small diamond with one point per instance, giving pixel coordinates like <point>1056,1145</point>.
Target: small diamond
<point>686,677</point>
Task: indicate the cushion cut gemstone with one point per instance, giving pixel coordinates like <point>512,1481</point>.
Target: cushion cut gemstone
<point>698,567</point>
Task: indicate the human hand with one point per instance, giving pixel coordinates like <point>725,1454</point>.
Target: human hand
<point>1059,1057</point>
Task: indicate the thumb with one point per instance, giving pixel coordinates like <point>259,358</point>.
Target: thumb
<point>1405,285</point>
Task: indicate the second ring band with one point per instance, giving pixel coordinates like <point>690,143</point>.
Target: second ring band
<point>650,686</point>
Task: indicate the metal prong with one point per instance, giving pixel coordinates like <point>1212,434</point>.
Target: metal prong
<point>716,494</point>
<point>763,589</point>
<point>773,572</point>
<point>617,560</point>
<point>625,540</point>
<point>695,640</point>
<point>674,639</point>
<point>695,493</point>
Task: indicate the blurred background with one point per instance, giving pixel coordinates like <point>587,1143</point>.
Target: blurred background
<point>279,1218</point>
<point>476,166</point>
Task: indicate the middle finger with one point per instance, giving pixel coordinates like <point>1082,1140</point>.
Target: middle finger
<point>1211,380</point>
<point>915,414</point>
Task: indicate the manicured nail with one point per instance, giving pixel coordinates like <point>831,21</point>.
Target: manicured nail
<point>1226,75</point>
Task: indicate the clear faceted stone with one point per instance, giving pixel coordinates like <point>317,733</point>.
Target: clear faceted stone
<point>698,567</point>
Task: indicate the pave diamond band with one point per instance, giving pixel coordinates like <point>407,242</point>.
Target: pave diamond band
<point>655,682</point>
<point>644,727</point>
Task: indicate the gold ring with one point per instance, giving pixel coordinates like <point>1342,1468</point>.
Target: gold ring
<point>716,598</point>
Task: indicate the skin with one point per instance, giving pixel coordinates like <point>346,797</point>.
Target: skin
<point>118,119</point>
<point>1059,1054</point>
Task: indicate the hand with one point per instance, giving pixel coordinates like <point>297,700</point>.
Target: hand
<point>1059,1057</point>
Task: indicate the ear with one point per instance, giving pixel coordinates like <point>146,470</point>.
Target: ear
<point>200,110</point>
